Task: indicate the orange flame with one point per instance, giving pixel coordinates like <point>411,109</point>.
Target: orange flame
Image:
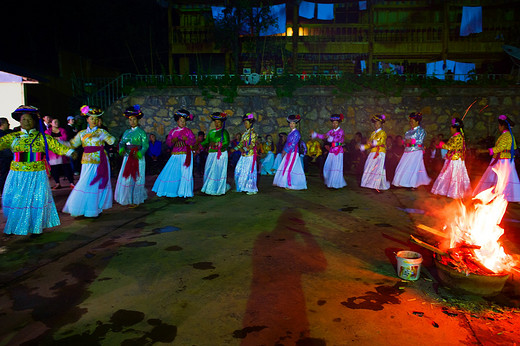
<point>481,226</point>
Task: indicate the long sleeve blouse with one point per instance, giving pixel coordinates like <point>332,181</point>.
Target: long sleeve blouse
<point>180,146</point>
<point>502,148</point>
<point>213,139</point>
<point>134,137</point>
<point>247,142</point>
<point>416,138</point>
<point>336,137</point>
<point>455,147</point>
<point>28,148</point>
<point>89,137</point>
<point>293,140</point>
<point>377,141</point>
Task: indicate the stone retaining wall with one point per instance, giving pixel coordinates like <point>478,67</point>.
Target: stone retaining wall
<point>315,104</point>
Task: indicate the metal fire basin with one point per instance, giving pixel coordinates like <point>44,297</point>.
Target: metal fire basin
<point>482,285</point>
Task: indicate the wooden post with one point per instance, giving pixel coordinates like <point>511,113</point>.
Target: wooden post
<point>295,28</point>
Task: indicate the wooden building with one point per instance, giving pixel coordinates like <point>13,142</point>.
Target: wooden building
<point>408,33</point>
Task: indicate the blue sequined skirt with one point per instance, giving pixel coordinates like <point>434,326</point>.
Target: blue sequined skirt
<point>245,180</point>
<point>28,204</point>
<point>175,180</point>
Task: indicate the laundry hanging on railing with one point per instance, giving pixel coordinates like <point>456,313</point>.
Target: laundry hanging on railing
<point>471,22</point>
<point>325,11</point>
<point>306,9</point>
<point>452,69</point>
<point>362,5</point>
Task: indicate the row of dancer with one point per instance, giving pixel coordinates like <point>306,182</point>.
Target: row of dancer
<point>27,193</point>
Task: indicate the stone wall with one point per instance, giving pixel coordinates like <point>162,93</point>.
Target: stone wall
<point>315,104</point>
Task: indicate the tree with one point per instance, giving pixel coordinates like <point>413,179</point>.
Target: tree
<point>242,23</point>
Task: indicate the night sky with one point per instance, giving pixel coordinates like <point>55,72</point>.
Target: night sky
<point>114,34</point>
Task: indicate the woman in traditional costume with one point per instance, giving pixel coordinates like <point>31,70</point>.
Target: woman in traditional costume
<point>502,160</point>
<point>176,178</point>
<point>246,168</point>
<point>269,148</point>
<point>93,191</point>
<point>27,201</point>
<point>333,167</point>
<point>290,174</point>
<point>60,164</point>
<point>374,173</point>
<point>130,189</point>
<point>453,180</point>
<point>410,171</point>
<point>215,171</point>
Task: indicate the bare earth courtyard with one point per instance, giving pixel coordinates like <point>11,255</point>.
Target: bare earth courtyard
<point>313,267</point>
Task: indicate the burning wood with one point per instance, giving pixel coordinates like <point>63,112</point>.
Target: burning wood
<point>474,234</point>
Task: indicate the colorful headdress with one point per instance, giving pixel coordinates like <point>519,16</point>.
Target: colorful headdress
<point>456,122</point>
<point>182,113</point>
<point>337,117</point>
<point>35,112</point>
<point>90,112</point>
<point>416,116</point>
<point>133,111</point>
<point>249,116</point>
<point>219,116</point>
<point>378,117</point>
<point>17,114</point>
<point>294,118</point>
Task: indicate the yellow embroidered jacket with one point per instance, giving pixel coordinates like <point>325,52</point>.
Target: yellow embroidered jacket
<point>455,147</point>
<point>502,148</point>
<point>377,141</point>
<point>20,143</point>
<point>248,148</point>
<point>92,137</point>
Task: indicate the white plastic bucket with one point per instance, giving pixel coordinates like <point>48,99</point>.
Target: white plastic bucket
<point>408,265</point>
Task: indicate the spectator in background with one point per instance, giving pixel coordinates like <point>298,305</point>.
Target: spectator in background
<point>235,156</point>
<point>71,130</point>
<point>282,138</point>
<point>47,122</point>
<point>200,153</point>
<point>60,164</point>
<point>6,155</point>
<point>393,155</point>
<point>314,155</point>
<point>356,157</point>
<point>154,155</point>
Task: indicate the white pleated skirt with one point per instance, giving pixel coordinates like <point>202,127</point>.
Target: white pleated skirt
<point>215,174</point>
<point>128,190</point>
<point>489,179</point>
<point>333,171</point>
<point>89,200</point>
<point>453,180</point>
<point>374,173</point>
<point>245,179</point>
<point>175,180</point>
<point>410,171</point>
<point>298,180</point>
